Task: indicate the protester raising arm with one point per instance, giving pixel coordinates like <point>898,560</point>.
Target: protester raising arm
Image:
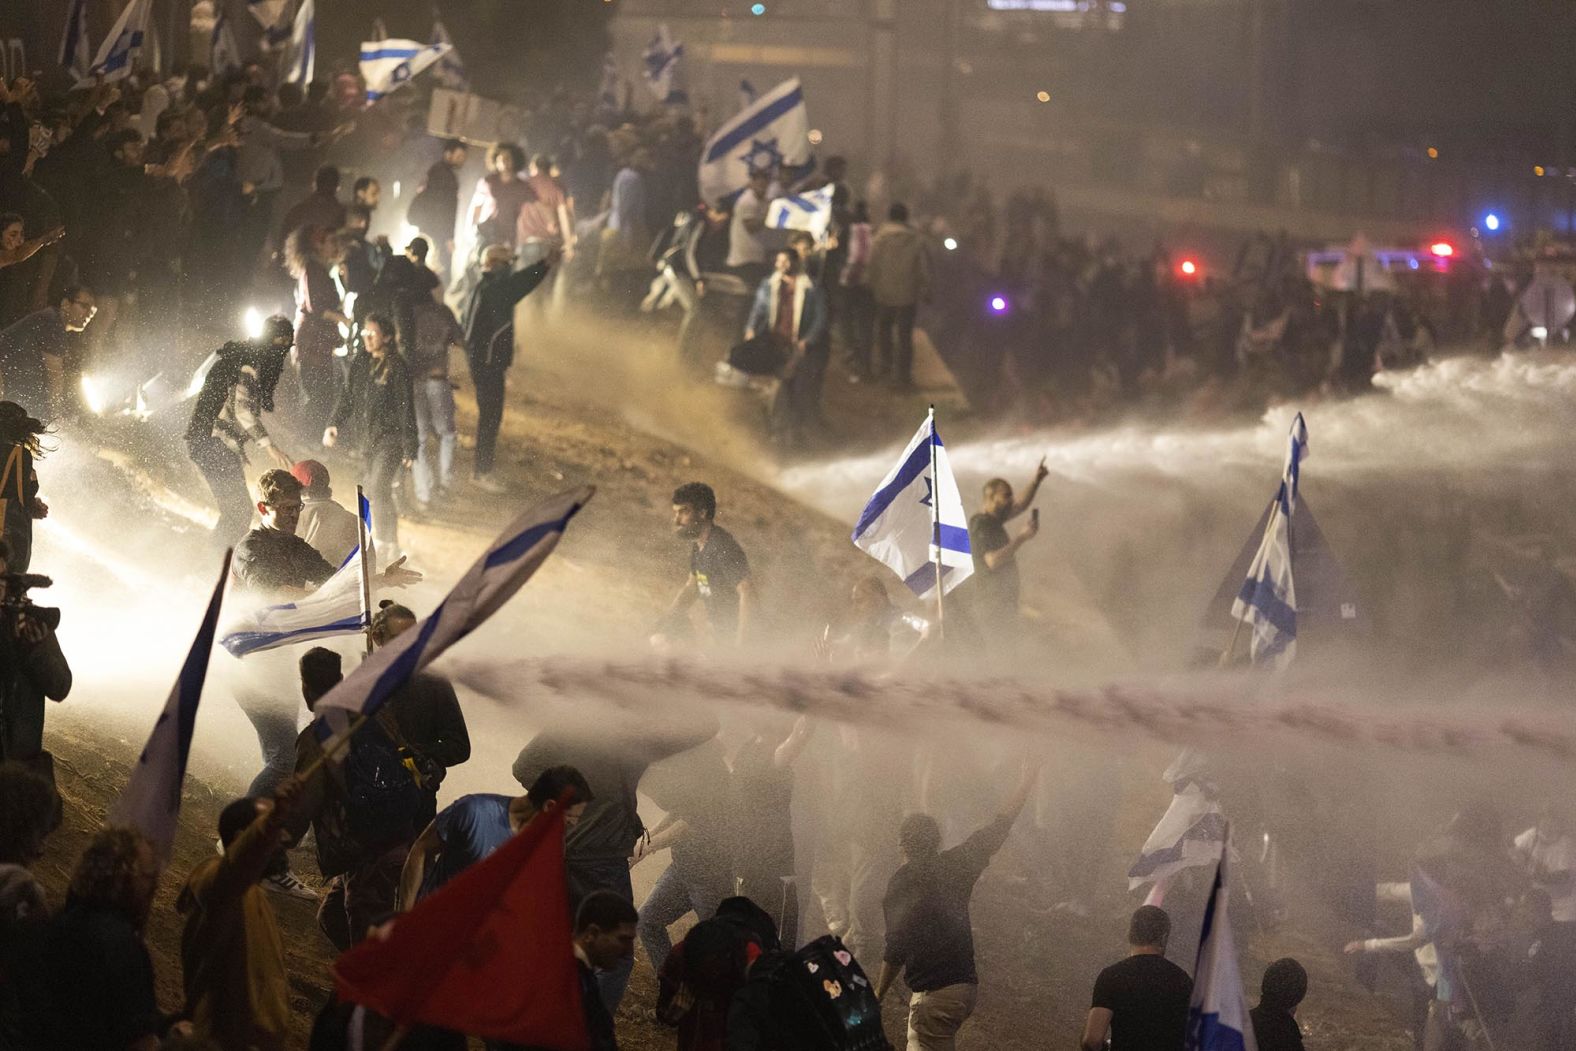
<point>793,744</point>
<point>1026,500</point>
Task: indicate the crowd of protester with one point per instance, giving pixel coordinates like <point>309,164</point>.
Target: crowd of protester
<point>179,198</point>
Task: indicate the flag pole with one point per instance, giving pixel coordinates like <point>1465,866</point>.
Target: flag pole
<point>366,569</point>
<point>935,527</point>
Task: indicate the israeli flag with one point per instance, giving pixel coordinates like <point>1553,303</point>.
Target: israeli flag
<point>387,65</point>
<point>1268,599</point>
<point>810,211</point>
<point>916,514</point>
<point>118,55</point>
<point>512,560</point>
<point>75,55</point>
<point>151,800</point>
<point>1189,834</point>
<point>301,59</point>
<point>662,68</point>
<point>223,54</point>
<point>451,71</point>
<point>335,608</point>
<point>1217,1014</point>
<point>774,130</point>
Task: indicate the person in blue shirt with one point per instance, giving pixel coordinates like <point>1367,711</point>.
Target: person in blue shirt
<point>472,827</point>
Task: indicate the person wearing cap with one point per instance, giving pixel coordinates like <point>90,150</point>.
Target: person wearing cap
<point>237,389</point>
<point>327,526</point>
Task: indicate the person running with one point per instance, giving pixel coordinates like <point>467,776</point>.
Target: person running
<point>1275,1025</point>
<point>719,571</point>
<point>930,937</point>
<point>378,413</point>
<point>1141,1003</point>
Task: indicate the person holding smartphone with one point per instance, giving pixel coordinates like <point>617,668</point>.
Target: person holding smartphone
<point>994,589</point>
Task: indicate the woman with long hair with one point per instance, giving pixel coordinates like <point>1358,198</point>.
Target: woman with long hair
<point>377,416</point>
<point>309,254</point>
<point>21,443</point>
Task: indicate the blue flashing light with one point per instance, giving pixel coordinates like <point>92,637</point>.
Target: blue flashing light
<point>998,304</point>
<point>1491,222</point>
<point>757,10</point>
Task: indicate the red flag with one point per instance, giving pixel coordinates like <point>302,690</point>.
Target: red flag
<point>489,954</point>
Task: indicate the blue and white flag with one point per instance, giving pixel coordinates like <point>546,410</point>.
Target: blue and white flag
<point>151,800</point>
<point>387,65</point>
<point>512,559</point>
<point>916,513</point>
<point>335,608</point>
<point>811,211</point>
<point>773,131</point>
<point>1189,834</point>
<point>1217,1014</point>
<point>1268,600</point>
<point>301,58</point>
<point>613,93</point>
<point>661,61</point>
<point>223,54</point>
<point>118,55</point>
<point>451,71</point>
<point>75,55</point>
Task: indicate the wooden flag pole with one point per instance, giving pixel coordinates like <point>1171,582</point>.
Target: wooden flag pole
<point>935,527</point>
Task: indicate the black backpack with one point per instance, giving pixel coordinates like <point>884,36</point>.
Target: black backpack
<point>831,1001</point>
<point>385,802</point>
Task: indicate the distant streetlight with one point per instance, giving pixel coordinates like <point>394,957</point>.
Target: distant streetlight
<point>950,244</point>
<point>1043,96</point>
<point>1433,153</point>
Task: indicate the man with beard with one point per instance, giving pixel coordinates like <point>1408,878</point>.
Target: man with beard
<point>719,569</point>
<point>237,390</point>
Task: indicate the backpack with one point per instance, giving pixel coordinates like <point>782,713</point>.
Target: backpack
<point>833,1004</point>
<point>385,802</point>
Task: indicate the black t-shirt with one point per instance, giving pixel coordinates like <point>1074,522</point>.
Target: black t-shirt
<point>1147,996</point>
<point>267,560</point>
<point>995,590</point>
<point>929,932</point>
<point>718,569</point>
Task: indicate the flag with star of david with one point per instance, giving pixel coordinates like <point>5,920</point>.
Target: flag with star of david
<point>773,131</point>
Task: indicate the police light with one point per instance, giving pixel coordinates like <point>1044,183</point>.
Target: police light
<point>950,244</point>
<point>1442,249</point>
<point>998,304</point>
<point>757,10</point>
<point>1491,222</point>
<point>1189,268</point>
<point>252,323</point>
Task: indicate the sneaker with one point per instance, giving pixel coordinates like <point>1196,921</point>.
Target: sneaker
<point>290,884</point>
<point>488,484</point>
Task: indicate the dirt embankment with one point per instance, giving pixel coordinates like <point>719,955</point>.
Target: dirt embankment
<point>601,405</point>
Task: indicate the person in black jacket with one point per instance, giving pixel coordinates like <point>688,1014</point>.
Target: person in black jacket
<point>488,323</point>
<point>377,410</point>
<point>32,667</point>
<point>237,390</point>
<point>1275,1025</point>
<point>436,207</point>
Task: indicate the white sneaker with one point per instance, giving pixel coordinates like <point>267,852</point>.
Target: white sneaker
<point>290,884</point>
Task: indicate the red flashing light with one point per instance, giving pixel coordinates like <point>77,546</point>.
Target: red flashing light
<point>1189,268</point>
<point>1442,249</point>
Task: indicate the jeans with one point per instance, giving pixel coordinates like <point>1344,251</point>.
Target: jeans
<point>898,321</point>
<point>434,416</point>
<point>385,463</point>
<point>361,897</point>
<point>226,477</point>
<point>489,380</point>
<point>934,1018</point>
<point>612,874</point>
<point>671,898</point>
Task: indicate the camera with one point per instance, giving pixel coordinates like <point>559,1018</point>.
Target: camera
<point>17,602</point>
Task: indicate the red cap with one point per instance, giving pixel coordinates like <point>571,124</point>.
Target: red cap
<point>311,474</point>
